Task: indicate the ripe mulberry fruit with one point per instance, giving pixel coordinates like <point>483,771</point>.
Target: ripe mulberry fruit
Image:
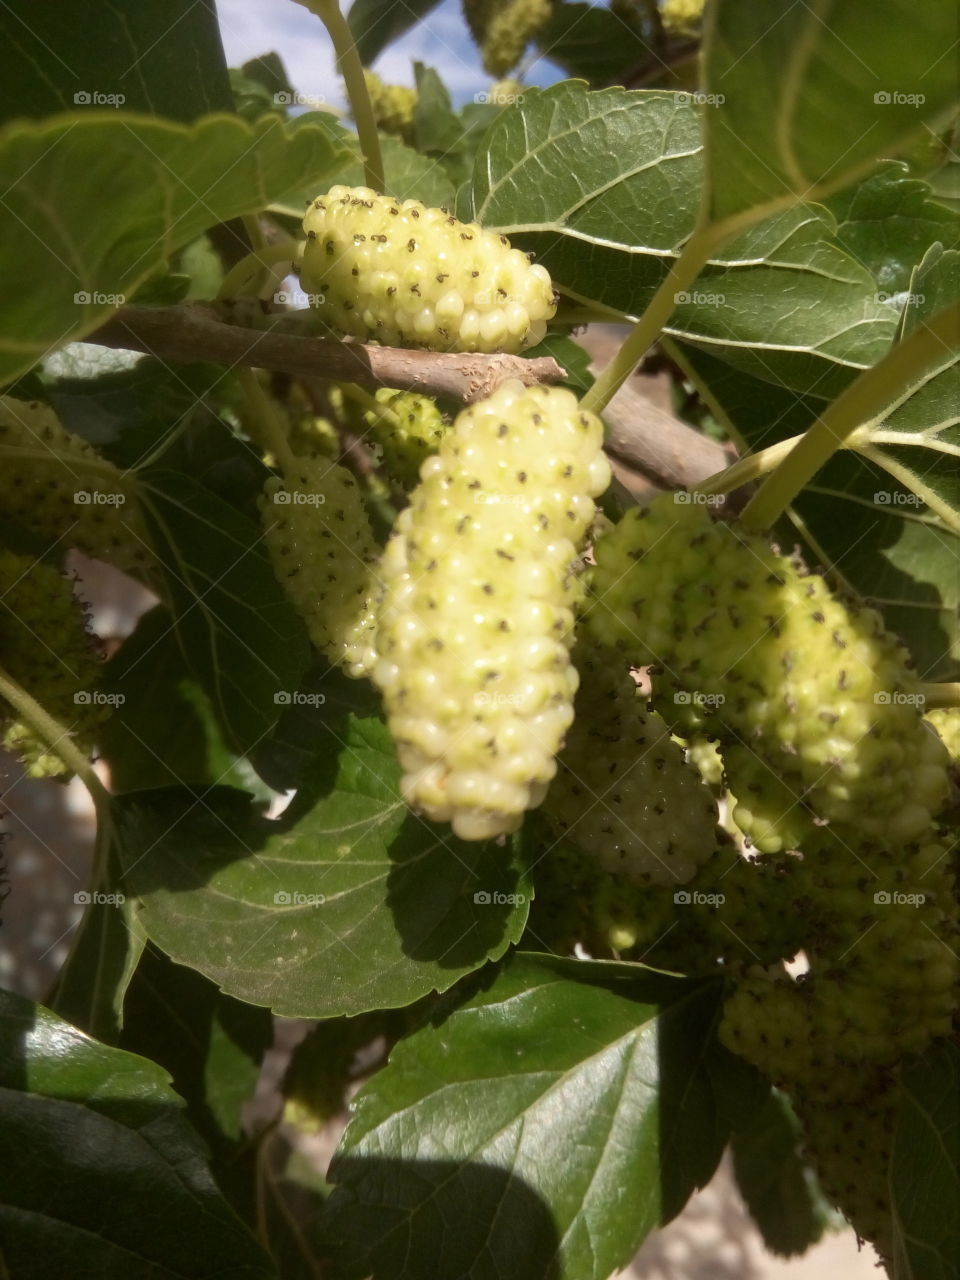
<point>814,684</point>
<point>476,620</point>
<point>399,273</point>
<point>624,792</point>
<point>56,484</point>
<point>46,649</point>
<point>323,552</point>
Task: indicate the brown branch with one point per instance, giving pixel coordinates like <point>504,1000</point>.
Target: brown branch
<point>191,332</point>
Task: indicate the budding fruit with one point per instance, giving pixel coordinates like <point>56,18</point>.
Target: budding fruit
<point>402,274</point>
<point>504,28</point>
<point>624,792</point>
<point>322,549</point>
<point>393,106</point>
<point>408,431</point>
<point>475,624</point>
<point>681,17</point>
<point>810,682</point>
<point>46,649</point>
<point>56,484</point>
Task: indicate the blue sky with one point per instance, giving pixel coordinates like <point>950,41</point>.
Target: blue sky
<point>252,27</point>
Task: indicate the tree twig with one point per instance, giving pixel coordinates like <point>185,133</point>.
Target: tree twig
<point>191,332</point>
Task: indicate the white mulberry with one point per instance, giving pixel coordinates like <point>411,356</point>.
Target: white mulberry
<point>402,274</point>
<point>476,620</point>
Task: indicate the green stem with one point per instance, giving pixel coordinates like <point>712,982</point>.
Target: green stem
<point>247,269</point>
<point>370,404</point>
<point>57,739</point>
<point>940,695</point>
<point>867,399</point>
<point>746,469</point>
<point>270,429</point>
<point>685,269</point>
<point>351,68</point>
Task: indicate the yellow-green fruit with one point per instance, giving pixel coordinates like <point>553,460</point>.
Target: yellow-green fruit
<point>624,792</point>
<point>408,432</point>
<point>946,722</point>
<point>504,28</point>
<point>681,17</point>
<point>812,683</point>
<point>476,620</point>
<point>402,274</point>
<point>46,649</point>
<point>851,1148</point>
<point>56,484</point>
<point>393,106</point>
<point>504,93</point>
<point>323,552</point>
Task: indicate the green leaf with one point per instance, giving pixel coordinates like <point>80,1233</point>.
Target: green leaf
<point>162,732</point>
<point>556,1120</point>
<point>102,201</point>
<point>269,71</point>
<point>408,175</point>
<point>855,520</point>
<point>377,23</point>
<point>239,634</point>
<point>60,57</point>
<point>591,43</point>
<point>776,1185</point>
<point>436,127</point>
<point>347,903</point>
<point>109,1180</point>
<point>604,186</point>
<point>801,98</point>
<point>211,1044</point>
<point>888,221</point>
<point>925,1169</point>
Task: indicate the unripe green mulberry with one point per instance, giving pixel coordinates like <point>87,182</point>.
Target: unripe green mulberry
<point>56,484</point>
<point>476,621</point>
<point>813,684</point>
<point>681,17</point>
<point>393,106</point>
<point>399,273</point>
<point>504,93</point>
<point>946,722</point>
<point>504,28</point>
<point>408,432</point>
<point>624,792</point>
<point>323,551</point>
<point>46,649</point>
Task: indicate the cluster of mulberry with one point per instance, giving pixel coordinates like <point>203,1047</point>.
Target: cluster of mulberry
<point>393,106</point>
<point>504,28</point>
